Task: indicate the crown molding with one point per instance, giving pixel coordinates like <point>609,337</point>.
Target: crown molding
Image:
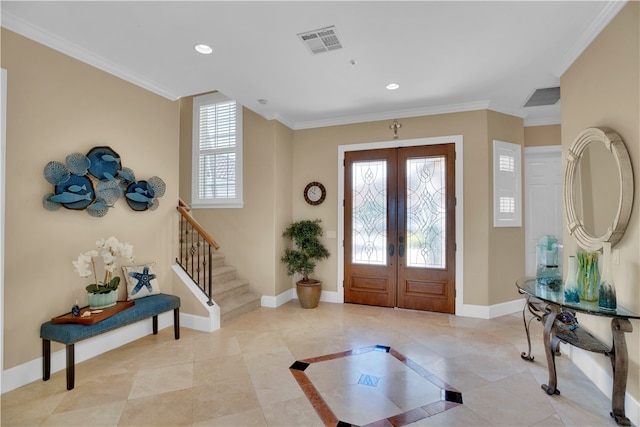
<point>608,12</point>
<point>517,112</point>
<point>278,117</point>
<point>17,25</point>
<point>416,112</point>
<point>542,121</point>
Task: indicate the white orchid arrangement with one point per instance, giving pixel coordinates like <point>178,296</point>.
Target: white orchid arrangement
<point>110,250</point>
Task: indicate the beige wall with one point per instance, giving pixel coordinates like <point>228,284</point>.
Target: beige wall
<point>250,238</point>
<point>56,106</point>
<point>602,88</point>
<point>506,244</point>
<point>280,162</point>
<point>537,136</point>
<point>315,159</point>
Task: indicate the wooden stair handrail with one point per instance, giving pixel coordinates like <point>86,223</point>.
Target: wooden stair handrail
<point>183,204</point>
<point>195,224</point>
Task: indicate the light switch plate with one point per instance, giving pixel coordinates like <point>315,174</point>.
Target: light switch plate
<point>615,256</point>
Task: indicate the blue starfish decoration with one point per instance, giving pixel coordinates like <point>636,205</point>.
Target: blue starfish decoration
<point>144,279</point>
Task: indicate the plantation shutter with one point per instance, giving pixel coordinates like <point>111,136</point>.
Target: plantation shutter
<point>218,148</point>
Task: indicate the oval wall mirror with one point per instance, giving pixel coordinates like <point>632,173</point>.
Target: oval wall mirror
<point>598,188</point>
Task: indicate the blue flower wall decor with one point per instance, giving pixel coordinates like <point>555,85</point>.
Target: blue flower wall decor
<point>95,181</point>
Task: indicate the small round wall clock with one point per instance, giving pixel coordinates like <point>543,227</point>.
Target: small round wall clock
<point>314,193</point>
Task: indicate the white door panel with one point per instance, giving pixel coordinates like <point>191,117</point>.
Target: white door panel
<point>543,199</point>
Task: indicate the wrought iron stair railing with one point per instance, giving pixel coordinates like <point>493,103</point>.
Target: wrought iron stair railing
<point>196,251</point>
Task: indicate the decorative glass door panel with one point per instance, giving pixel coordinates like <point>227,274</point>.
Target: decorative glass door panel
<point>399,227</point>
<point>426,212</point>
<point>369,212</point>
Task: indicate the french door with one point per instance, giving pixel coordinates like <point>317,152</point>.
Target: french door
<point>400,227</point>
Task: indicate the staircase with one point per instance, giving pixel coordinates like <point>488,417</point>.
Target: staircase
<point>199,254</point>
<point>232,294</point>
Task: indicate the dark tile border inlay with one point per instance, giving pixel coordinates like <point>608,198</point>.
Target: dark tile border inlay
<point>451,397</point>
<point>299,366</point>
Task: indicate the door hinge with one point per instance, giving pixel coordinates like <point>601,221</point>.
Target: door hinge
<point>455,247</point>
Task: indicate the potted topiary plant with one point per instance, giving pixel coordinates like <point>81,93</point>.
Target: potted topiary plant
<point>302,259</point>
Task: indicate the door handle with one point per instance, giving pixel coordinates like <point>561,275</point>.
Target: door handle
<point>391,250</point>
<point>401,246</point>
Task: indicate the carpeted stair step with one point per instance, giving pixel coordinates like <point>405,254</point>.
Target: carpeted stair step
<point>230,308</point>
<point>229,289</point>
<point>222,274</point>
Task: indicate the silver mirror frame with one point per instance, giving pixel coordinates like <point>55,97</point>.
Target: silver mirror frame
<point>615,145</point>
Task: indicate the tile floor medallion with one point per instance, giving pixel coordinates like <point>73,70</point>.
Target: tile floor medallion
<point>374,386</point>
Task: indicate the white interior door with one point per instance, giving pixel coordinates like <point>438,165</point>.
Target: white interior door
<point>543,199</point>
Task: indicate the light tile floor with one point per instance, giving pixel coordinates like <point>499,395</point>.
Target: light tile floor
<point>240,376</point>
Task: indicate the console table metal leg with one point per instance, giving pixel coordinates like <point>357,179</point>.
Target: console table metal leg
<point>550,347</point>
<point>527,326</point>
<point>620,363</point>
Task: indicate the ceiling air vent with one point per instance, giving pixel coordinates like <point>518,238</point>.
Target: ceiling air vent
<point>322,40</point>
<point>540,97</point>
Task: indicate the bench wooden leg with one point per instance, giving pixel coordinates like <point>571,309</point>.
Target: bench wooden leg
<point>155,325</point>
<point>176,323</point>
<point>46,359</point>
<point>71,366</point>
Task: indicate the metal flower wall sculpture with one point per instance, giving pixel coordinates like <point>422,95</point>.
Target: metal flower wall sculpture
<point>96,181</point>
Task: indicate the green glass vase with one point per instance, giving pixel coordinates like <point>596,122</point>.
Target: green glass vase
<point>588,276</point>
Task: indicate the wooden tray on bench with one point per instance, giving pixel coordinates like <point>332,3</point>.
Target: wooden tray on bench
<point>95,317</point>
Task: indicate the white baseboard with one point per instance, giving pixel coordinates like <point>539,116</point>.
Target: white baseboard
<point>491,311</point>
<point>278,300</point>
<point>289,294</point>
<point>331,296</point>
<point>198,323</point>
<point>31,371</point>
<point>601,377</point>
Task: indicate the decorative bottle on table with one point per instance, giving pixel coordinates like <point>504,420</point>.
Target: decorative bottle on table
<point>606,287</point>
<point>588,276</point>
<point>570,285</point>
<point>75,310</point>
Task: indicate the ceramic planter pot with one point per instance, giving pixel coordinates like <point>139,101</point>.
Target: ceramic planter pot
<point>97,301</point>
<point>309,293</point>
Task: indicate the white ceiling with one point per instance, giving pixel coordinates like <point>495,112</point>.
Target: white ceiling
<point>446,55</point>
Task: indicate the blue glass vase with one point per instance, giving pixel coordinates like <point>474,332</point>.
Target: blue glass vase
<point>570,285</point>
<point>606,287</point>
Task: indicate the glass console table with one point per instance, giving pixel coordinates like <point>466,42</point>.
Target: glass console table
<point>545,305</point>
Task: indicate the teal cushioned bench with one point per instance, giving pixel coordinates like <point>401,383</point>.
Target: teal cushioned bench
<point>71,333</point>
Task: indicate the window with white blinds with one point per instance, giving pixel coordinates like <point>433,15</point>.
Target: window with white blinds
<point>507,187</point>
<point>217,152</point>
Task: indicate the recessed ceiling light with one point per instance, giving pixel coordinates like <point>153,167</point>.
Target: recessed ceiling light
<point>203,49</point>
<point>393,86</point>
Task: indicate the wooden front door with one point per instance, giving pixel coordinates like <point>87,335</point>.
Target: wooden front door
<point>400,227</point>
